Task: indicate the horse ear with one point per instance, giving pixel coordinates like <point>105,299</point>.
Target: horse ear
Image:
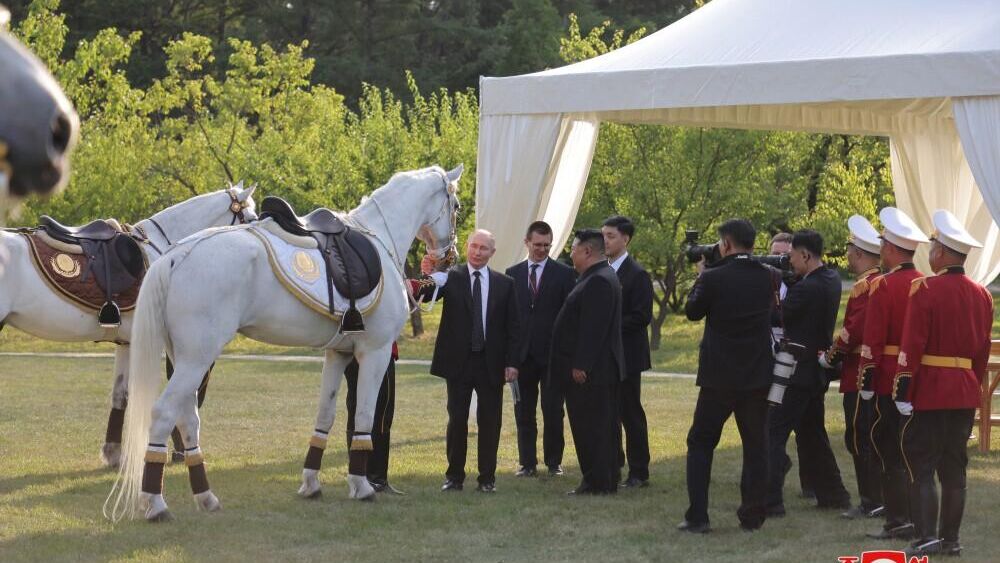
<point>247,192</point>
<point>454,175</point>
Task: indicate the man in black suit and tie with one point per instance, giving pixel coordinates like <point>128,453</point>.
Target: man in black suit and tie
<point>809,314</point>
<point>637,313</point>
<point>734,372</point>
<point>477,350</point>
<point>587,362</point>
<point>542,286</point>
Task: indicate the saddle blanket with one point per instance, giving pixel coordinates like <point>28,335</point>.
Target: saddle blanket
<point>65,268</point>
<point>299,266</point>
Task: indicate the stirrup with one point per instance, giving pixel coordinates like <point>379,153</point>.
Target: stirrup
<point>110,316</point>
<point>353,322</point>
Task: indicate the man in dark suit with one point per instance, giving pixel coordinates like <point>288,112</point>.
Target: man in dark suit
<point>637,313</point>
<point>542,286</point>
<point>587,362</point>
<point>809,314</point>
<point>477,350</point>
<point>734,371</point>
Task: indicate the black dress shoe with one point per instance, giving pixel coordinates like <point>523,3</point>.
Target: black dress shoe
<point>385,488</point>
<point>694,528</point>
<point>920,548</point>
<point>951,548</point>
<point>900,532</point>
<point>176,457</point>
<point>555,470</point>
<point>635,483</point>
<point>486,488</point>
<point>450,485</point>
<point>526,472</point>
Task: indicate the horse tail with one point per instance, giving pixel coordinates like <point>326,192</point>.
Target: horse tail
<point>147,345</point>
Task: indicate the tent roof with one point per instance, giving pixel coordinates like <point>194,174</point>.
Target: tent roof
<point>766,52</point>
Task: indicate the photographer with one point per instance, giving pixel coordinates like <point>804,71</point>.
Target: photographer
<point>809,313</point>
<point>734,371</point>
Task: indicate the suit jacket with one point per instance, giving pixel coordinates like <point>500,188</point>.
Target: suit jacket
<point>735,299</point>
<point>538,316</point>
<point>637,313</point>
<point>451,349</point>
<point>587,334</point>
<point>810,315</point>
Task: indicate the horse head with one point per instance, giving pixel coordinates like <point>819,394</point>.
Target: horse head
<point>231,206</point>
<point>439,234</point>
<point>38,126</point>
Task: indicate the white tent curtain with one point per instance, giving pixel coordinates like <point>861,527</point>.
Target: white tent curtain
<point>541,179</point>
<point>977,121</point>
<point>930,172</point>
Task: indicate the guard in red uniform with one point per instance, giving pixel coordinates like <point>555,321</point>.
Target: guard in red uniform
<point>863,260</point>
<point>942,361</point>
<point>887,300</point>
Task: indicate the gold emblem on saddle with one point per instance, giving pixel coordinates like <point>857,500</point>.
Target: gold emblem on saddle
<point>304,266</point>
<point>65,265</point>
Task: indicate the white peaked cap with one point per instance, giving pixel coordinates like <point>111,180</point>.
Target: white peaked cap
<point>900,230</point>
<point>863,234</point>
<point>950,232</point>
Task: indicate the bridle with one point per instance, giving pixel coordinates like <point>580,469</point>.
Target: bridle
<point>236,207</point>
<point>446,255</point>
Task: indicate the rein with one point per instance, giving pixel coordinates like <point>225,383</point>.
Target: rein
<point>236,207</point>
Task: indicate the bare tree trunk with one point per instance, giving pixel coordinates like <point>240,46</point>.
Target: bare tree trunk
<point>655,337</point>
<point>417,322</point>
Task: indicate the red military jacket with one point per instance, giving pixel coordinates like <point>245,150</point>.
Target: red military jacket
<point>848,342</point>
<point>887,301</point>
<point>946,342</point>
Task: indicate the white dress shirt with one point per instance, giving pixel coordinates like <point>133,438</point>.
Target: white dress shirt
<point>538,271</point>
<point>618,261</point>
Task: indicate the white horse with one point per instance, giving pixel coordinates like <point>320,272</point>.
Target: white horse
<point>214,287</point>
<point>30,304</point>
<point>38,127</point>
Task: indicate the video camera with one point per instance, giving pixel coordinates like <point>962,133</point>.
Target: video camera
<point>710,252</point>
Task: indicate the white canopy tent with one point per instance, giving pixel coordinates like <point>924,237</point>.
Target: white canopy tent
<point>925,73</point>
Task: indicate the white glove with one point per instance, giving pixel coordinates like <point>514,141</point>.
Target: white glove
<point>824,362</point>
<point>904,408</point>
<point>439,278</point>
<point>867,395</point>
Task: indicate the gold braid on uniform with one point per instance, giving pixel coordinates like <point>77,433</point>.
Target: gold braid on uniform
<point>916,284</point>
<point>900,386</point>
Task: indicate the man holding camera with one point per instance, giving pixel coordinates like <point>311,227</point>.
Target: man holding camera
<point>942,362</point>
<point>888,300</point>
<point>863,261</point>
<point>734,371</point>
<point>808,314</point>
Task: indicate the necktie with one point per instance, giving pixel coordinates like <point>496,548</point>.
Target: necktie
<point>478,335</point>
<point>533,282</point>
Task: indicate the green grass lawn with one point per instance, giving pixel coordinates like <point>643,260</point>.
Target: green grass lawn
<point>257,421</point>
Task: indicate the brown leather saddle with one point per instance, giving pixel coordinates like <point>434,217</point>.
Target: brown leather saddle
<point>353,266</point>
<point>112,259</point>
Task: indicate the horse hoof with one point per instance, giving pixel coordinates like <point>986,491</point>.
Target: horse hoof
<point>160,517</point>
<point>207,501</point>
<point>359,488</point>
<point>111,455</point>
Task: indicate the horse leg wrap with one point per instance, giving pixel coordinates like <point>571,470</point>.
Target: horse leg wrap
<point>196,470</point>
<point>152,474</point>
<point>116,420</point>
<point>358,462</point>
<point>317,444</point>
